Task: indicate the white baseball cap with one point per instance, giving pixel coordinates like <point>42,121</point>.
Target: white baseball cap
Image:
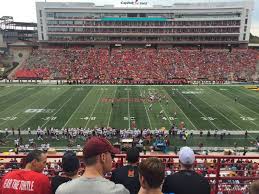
<point>186,155</point>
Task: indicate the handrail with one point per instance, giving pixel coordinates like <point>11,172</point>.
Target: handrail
<point>218,178</point>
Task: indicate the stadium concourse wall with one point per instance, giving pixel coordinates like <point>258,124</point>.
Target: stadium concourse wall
<point>220,178</point>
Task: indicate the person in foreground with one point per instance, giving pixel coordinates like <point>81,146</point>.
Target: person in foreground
<point>70,166</point>
<point>186,181</point>
<point>128,175</point>
<point>97,155</point>
<point>29,180</point>
<point>254,187</point>
<point>151,176</point>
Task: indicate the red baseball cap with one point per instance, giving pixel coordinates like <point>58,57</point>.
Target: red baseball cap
<point>98,145</point>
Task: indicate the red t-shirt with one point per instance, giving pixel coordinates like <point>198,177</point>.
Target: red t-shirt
<point>25,182</point>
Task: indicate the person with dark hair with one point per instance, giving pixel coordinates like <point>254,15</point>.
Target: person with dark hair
<point>70,166</point>
<point>128,175</point>
<point>254,187</point>
<point>186,181</point>
<point>29,180</point>
<point>97,154</point>
<point>151,176</point>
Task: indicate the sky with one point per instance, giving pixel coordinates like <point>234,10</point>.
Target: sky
<point>25,11</point>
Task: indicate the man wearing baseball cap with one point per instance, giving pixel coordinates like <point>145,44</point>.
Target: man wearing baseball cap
<point>97,155</point>
<point>70,166</point>
<point>186,181</point>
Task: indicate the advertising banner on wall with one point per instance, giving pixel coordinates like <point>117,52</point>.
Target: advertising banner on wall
<point>133,2</point>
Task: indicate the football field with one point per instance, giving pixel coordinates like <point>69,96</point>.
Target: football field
<point>233,108</point>
<point>198,107</point>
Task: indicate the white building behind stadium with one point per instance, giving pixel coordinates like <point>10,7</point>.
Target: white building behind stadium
<point>203,24</point>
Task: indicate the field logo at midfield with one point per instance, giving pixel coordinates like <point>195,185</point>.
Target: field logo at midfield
<point>39,110</point>
<point>247,118</point>
<point>208,118</point>
<point>191,92</point>
<point>8,118</point>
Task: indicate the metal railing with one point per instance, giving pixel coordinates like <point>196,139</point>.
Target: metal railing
<point>223,175</point>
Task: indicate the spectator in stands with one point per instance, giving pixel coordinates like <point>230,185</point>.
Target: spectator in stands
<point>128,175</point>
<point>28,180</point>
<point>70,167</point>
<point>254,187</point>
<point>186,181</point>
<point>151,176</point>
<point>97,155</point>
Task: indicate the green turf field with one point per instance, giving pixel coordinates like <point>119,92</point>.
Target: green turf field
<point>199,107</point>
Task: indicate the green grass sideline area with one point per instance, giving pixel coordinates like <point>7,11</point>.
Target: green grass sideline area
<point>234,108</point>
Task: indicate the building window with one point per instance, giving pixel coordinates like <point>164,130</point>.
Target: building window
<point>246,21</point>
<point>42,37</point>
<point>245,28</point>
<point>244,37</point>
<point>50,15</point>
<point>40,13</point>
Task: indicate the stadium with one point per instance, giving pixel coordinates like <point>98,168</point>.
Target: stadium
<point>155,77</point>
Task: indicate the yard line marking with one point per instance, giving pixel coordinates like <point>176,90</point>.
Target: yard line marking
<point>128,108</point>
<point>147,113</point>
<point>170,122</point>
<point>77,108</point>
<point>239,90</point>
<point>245,106</point>
<point>58,110</point>
<point>197,109</point>
<point>44,108</point>
<point>182,111</point>
<point>219,112</point>
<point>10,107</point>
<point>3,92</point>
<point>230,107</point>
<point>94,108</point>
<point>18,94</point>
<point>111,108</point>
<point>22,109</point>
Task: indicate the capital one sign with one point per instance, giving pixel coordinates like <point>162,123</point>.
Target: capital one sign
<point>134,2</point>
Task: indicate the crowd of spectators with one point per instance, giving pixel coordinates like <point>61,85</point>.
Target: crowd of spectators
<point>185,169</point>
<point>140,65</point>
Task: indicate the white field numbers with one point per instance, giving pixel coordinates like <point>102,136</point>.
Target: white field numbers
<point>88,118</point>
<point>164,118</point>
<point>49,118</point>
<point>247,118</point>
<point>8,118</point>
<point>41,110</point>
<point>169,118</point>
<point>208,118</point>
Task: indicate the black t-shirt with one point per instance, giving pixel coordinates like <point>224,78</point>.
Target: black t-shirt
<point>127,176</point>
<point>58,180</point>
<point>186,182</point>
